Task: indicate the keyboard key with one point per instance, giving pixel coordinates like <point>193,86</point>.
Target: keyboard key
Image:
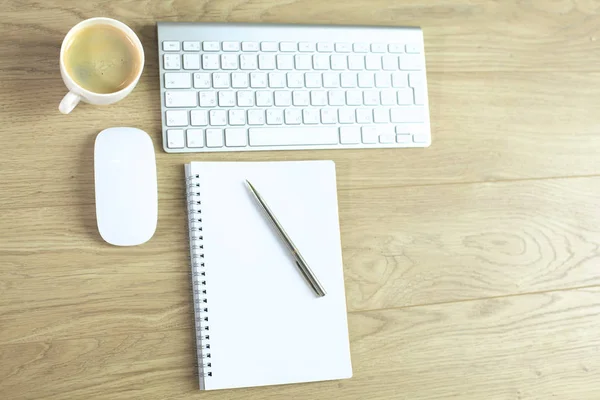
<point>208,98</point>
<point>311,116</point>
<point>220,80</point>
<point>312,80</point>
<point>400,79</point>
<point>276,80</point>
<point>420,95</point>
<point>239,80</point>
<point>387,138</point>
<point>346,115</point>
<point>356,63</point>
<point>361,47</point>
<point>396,48</point>
<point>245,98</point>
<point>236,137</point>
<point>295,80</point>
<point>217,117</point>
<point>171,61</point>
<point>366,80</point>
<point>176,118</point>
<point>301,97</point>
<point>191,61</point>
<point>404,138</point>
<point>248,61</point>
<point>339,62</point>
<point>258,80</point>
<point>390,63</point>
<point>210,61</point>
<point>416,79</point>
<point>287,46</point>
<point>191,46</point>
<point>388,97</point>
<point>307,47</point>
<point>354,98</point>
<point>250,46</point>
<point>343,47</point>
<point>285,61</point>
<point>364,115</point>
<point>409,62</point>
<point>211,46</point>
<point>283,98</point>
<point>413,48</point>
<point>420,138</point>
<point>324,47</point>
<point>293,116</point>
<point>381,115</point>
<point>171,46</point>
<point>229,61</point>
<point>195,137</point>
<point>331,80</point>
<point>293,136</point>
<point>180,99</point>
<point>175,139</point>
<point>199,117</point>
<point>230,46</point>
<point>373,62</point>
<point>369,134</point>
<point>214,137</point>
<point>227,98</point>
<point>337,98</point>
<point>371,97</point>
<point>348,79</point>
<point>269,46</point>
<point>405,96</point>
<point>274,116</point>
<point>350,135</point>
<point>329,116</point>
<point>264,98</point>
<point>320,61</point>
<point>177,80</point>
<point>378,48</point>
<point>266,61</point>
<point>408,114</point>
<point>202,80</point>
<point>383,80</point>
<point>318,97</point>
<point>256,117</point>
<point>303,61</point>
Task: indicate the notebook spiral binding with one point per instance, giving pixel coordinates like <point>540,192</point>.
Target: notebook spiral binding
<point>199,279</point>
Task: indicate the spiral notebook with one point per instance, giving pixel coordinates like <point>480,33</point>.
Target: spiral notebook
<point>257,321</point>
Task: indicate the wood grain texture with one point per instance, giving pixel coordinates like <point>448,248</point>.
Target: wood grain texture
<point>468,350</point>
<point>471,267</point>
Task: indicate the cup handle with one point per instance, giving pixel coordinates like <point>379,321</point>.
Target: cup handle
<point>69,102</point>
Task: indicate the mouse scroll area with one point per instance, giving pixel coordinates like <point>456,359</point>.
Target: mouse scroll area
<point>125,186</point>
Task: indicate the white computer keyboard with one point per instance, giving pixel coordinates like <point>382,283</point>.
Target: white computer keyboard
<point>240,87</point>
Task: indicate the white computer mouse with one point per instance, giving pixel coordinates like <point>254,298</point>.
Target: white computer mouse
<point>126,189</point>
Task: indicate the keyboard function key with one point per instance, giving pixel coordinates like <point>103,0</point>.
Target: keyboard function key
<point>175,139</point>
<point>396,48</point>
<point>191,46</point>
<point>378,48</point>
<point>306,47</point>
<point>269,46</point>
<point>191,61</point>
<point>343,47</point>
<point>287,46</point>
<point>214,137</point>
<point>211,46</point>
<point>230,46</point>
<point>170,45</point>
<point>361,47</point>
<point>250,46</point>
<point>171,61</point>
<point>176,118</point>
<point>236,137</point>
<point>177,80</point>
<point>324,47</point>
<point>195,138</point>
<point>413,48</point>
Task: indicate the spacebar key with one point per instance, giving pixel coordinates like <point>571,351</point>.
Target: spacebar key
<point>293,136</point>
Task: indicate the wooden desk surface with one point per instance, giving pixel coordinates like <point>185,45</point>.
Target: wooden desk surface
<point>472,268</point>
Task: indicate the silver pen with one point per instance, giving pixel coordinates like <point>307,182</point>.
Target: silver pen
<point>305,270</point>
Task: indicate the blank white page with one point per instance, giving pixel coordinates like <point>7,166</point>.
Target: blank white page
<point>267,326</point>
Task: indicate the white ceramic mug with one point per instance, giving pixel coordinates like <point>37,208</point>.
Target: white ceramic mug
<point>76,92</point>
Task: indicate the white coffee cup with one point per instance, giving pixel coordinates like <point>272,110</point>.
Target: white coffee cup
<point>76,92</point>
